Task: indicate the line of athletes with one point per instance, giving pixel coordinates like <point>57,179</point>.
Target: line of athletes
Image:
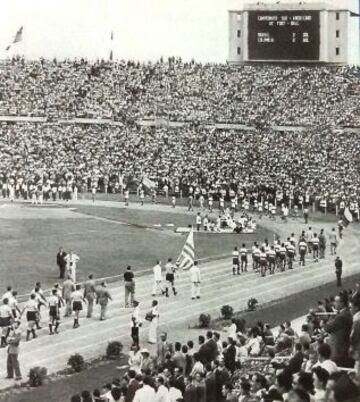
<point>282,254</point>
<point>70,296</point>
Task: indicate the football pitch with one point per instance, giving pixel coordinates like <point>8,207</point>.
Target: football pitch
<point>107,239</point>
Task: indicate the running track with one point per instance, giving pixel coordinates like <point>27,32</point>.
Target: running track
<point>218,287</point>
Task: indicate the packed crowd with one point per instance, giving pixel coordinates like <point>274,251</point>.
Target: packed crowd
<point>251,364</point>
<point>179,91</point>
<point>58,161</point>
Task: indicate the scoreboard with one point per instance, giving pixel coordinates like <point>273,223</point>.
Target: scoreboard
<point>284,35</point>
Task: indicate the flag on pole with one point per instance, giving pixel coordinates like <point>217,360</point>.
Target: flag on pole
<point>348,218</point>
<point>187,256</point>
<point>148,183</point>
<point>18,38</point>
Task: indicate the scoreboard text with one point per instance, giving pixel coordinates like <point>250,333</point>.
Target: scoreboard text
<point>284,35</point>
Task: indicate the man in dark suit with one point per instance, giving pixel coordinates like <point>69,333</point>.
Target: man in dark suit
<point>61,263</point>
<point>133,386</point>
<point>203,351</point>
<point>297,359</point>
<point>339,329</point>
<point>338,270</point>
<point>211,345</point>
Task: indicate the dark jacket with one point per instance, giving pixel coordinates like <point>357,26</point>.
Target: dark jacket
<point>190,394</point>
<point>339,329</point>
<point>132,388</point>
<point>211,388</point>
<point>60,259</point>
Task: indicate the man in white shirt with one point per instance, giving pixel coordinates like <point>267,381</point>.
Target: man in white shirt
<point>7,294</point>
<point>195,279</point>
<point>71,261</point>
<point>324,353</point>
<point>162,392</point>
<point>146,393</point>
<point>158,278</point>
<point>174,394</point>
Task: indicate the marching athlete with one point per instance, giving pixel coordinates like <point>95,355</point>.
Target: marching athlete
<point>32,314</point>
<point>315,245</point>
<point>54,313</point>
<point>243,258</point>
<point>170,270</point>
<point>263,261</point>
<point>302,251</point>
<point>6,318</point>
<point>235,262</point>
<point>77,300</point>
<point>271,256</point>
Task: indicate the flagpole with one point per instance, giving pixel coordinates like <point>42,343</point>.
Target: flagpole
<point>111,56</point>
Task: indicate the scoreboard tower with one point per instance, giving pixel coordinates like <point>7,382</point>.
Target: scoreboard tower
<point>291,33</point>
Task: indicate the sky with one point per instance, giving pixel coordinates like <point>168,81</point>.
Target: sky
<point>143,29</point>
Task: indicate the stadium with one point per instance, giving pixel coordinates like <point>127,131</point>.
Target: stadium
<point>227,191</point>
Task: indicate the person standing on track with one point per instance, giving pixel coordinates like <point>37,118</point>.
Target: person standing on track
<point>154,323</point>
<point>77,300</point>
<point>32,313</point>
<point>54,313</point>
<point>136,323</point>
<point>142,196</point>
<point>129,284</point>
<point>158,279</point>
<point>315,246</point>
<point>256,256</point>
<point>67,290</point>
<point>302,251</point>
<point>333,241</point>
<point>243,258</point>
<point>90,294</point>
<point>322,243</point>
<point>191,203</point>
<point>71,264</point>
<point>126,197</point>
<point>235,262</point>
<point>282,257</point>
<point>170,270</point>
<point>338,270</point>
<point>103,297</point>
<point>198,222</point>
<point>263,262</point>
<point>271,256</point>
<point>290,255</point>
<point>61,262</point>
<point>195,279</point>
<point>308,237</point>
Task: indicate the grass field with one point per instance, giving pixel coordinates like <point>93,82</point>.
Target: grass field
<point>30,237</point>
